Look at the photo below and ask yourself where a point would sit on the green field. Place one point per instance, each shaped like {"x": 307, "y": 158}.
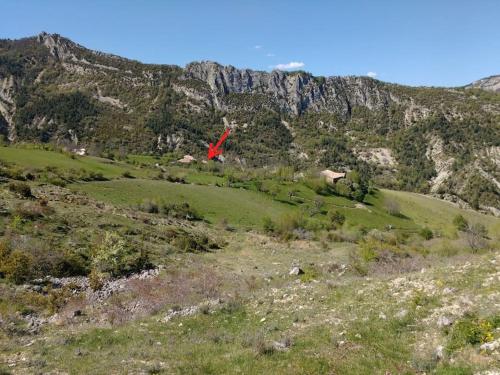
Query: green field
{"x": 39, "y": 159}
{"x": 243, "y": 207}
{"x": 247, "y": 208}
{"x": 237, "y": 206}
{"x": 438, "y": 214}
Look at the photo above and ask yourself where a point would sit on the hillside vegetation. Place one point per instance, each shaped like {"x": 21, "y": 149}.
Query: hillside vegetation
{"x": 443, "y": 141}
{"x": 145, "y": 266}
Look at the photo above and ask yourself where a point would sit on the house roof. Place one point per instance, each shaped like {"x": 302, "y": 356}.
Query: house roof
{"x": 332, "y": 175}
{"x": 186, "y": 159}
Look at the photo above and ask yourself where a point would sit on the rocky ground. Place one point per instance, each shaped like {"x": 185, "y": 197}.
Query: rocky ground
{"x": 291, "y": 299}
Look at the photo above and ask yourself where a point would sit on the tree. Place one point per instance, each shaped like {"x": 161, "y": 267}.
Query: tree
{"x": 475, "y": 235}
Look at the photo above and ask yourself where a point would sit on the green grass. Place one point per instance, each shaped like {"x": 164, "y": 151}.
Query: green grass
{"x": 245, "y": 207}
{"x": 438, "y": 214}
{"x": 241, "y": 207}
{"x": 238, "y": 206}
{"x": 221, "y": 343}
{"x": 36, "y": 158}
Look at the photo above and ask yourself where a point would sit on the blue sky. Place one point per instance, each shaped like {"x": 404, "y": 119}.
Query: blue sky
{"x": 416, "y": 42}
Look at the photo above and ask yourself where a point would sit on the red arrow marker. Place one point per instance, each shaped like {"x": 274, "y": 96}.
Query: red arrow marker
{"x": 214, "y": 151}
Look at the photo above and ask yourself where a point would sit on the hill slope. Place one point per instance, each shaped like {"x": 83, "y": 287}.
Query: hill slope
{"x": 445, "y": 141}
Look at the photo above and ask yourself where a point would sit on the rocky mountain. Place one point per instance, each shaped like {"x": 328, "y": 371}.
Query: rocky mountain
{"x": 292, "y": 93}
{"x": 440, "y": 140}
{"x": 491, "y": 83}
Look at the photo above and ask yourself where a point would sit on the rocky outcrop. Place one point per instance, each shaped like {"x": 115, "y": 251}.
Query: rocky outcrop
{"x": 58, "y": 46}
{"x": 7, "y": 103}
{"x": 443, "y": 163}
{"x": 491, "y": 83}
{"x": 294, "y": 93}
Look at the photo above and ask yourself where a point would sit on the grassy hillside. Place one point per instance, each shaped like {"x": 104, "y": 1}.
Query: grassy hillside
{"x": 141, "y": 290}
{"x": 33, "y": 158}
{"x": 438, "y": 214}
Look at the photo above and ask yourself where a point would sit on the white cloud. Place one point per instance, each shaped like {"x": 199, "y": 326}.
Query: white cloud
{"x": 371, "y": 74}
{"x": 258, "y": 46}
{"x": 290, "y": 65}
{"x": 270, "y": 54}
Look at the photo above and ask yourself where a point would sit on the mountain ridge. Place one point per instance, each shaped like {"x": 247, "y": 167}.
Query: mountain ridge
{"x": 441, "y": 139}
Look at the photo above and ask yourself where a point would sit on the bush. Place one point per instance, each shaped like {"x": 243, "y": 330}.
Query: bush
{"x": 108, "y": 257}
{"x": 70, "y": 264}
{"x": 471, "y": 330}
{"x": 149, "y": 206}
{"x": 475, "y": 235}
{"x": 318, "y": 185}
{"x": 16, "y": 266}
{"x": 460, "y": 223}
{"x": 127, "y": 174}
{"x": 180, "y": 211}
{"x": 289, "y": 223}
{"x": 21, "y": 188}
{"x": 96, "y": 280}
{"x": 426, "y": 233}
{"x": 191, "y": 243}
{"x": 392, "y": 207}
{"x": 268, "y": 225}
{"x": 336, "y": 217}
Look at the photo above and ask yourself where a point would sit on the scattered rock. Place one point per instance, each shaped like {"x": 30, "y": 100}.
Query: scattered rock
{"x": 490, "y": 346}
{"x": 295, "y": 271}
{"x": 444, "y": 321}
{"x": 191, "y": 310}
{"x": 282, "y": 345}
{"x": 439, "y": 352}
{"x": 402, "y": 314}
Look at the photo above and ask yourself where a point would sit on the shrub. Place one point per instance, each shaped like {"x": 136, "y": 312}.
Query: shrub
{"x": 70, "y": 264}
{"x": 96, "y": 280}
{"x": 289, "y": 223}
{"x": 149, "y": 206}
{"x": 426, "y": 233}
{"x": 16, "y": 266}
{"x": 108, "y": 256}
{"x": 470, "y": 330}
{"x": 32, "y": 210}
{"x": 191, "y": 243}
{"x": 343, "y": 188}
{"x": 176, "y": 179}
{"x": 21, "y": 188}
{"x": 318, "y": 185}
{"x": 268, "y": 225}
{"x": 264, "y": 348}
{"x": 180, "y": 211}
{"x": 447, "y": 249}
{"x": 127, "y": 174}
{"x": 336, "y": 217}
{"x": 392, "y": 207}
{"x": 259, "y": 185}
{"x": 475, "y": 235}
{"x": 310, "y": 274}
{"x": 460, "y": 223}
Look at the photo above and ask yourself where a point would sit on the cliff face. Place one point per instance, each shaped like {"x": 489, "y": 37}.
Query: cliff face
{"x": 293, "y": 93}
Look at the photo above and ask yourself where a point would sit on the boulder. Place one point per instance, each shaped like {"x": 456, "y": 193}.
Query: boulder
{"x": 295, "y": 271}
